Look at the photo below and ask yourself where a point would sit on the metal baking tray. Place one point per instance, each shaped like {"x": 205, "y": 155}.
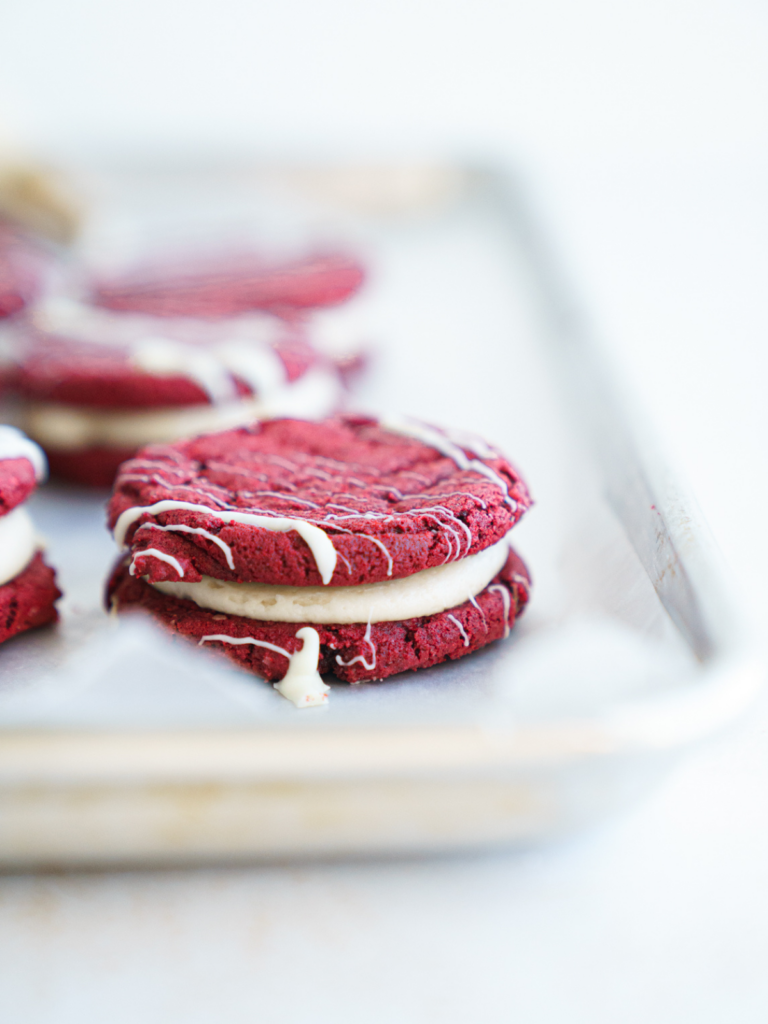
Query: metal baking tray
{"x": 120, "y": 745}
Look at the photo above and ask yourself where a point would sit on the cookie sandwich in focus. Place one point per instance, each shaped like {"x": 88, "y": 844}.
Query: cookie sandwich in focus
{"x": 354, "y": 547}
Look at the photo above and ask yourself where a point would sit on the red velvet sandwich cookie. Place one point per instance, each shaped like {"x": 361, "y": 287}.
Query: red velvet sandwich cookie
{"x": 27, "y": 585}
{"x": 99, "y": 385}
{"x": 351, "y": 546}
{"x": 232, "y": 284}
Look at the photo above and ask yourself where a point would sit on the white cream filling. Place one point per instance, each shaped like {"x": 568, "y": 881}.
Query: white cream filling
{"x": 424, "y": 593}
{"x": 18, "y": 543}
{"x": 62, "y": 427}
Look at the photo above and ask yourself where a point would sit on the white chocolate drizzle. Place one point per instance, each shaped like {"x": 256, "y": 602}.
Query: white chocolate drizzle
{"x": 155, "y": 553}
{"x": 302, "y": 683}
{"x": 361, "y": 657}
{"x": 443, "y": 444}
{"x": 501, "y": 589}
{"x": 317, "y": 540}
{"x": 164, "y": 357}
{"x": 258, "y": 365}
{"x": 180, "y": 528}
{"x": 461, "y": 629}
{"x": 16, "y": 445}
{"x": 223, "y": 638}
{"x": 438, "y": 513}
{"x": 384, "y": 548}
{"x": 248, "y": 352}
{"x": 473, "y": 443}
{"x": 345, "y": 561}
{"x": 473, "y": 600}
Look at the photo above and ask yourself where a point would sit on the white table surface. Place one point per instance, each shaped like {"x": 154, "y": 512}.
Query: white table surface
{"x": 659, "y": 916}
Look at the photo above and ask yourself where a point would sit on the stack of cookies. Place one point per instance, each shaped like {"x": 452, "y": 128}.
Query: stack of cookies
{"x": 349, "y": 547}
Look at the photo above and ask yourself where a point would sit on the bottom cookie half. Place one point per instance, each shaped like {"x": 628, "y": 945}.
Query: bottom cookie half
{"x": 28, "y": 599}
{"x": 353, "y": 653}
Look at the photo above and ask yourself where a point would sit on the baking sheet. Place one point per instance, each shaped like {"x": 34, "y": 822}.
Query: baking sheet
{"x": 120, "y": 744}
{"x": 449, "y": 316}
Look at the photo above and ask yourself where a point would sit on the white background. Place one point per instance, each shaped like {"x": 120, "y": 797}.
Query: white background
{"x": 647, "y": 127}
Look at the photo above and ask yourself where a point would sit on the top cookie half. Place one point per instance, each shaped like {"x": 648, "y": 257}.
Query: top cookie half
{"x": 346, "y": 501}
{"x": 22, "y": 467}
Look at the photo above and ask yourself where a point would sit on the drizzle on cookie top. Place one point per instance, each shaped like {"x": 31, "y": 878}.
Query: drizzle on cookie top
{"x": 346, "y": 501}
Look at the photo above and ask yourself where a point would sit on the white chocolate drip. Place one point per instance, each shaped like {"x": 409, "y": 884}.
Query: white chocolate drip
{"x": 163, "y": 357}
{"x": 180, "y": 528}
{"x": 461, "y": 629}
{"x": 443, "y": 444}
{"x": 15, "y": 445}
{"x": 501, "y": 589}
{"x": 318, "y": 541}
{"x": 258, "y": 365}
{"x": 214, "y": 369}
{"x": 255, "y": 363}
{"x": 302, "y": 683}
{"x": 155, "y": 553}
{"x": 152, "y": 347}
{"x": 361, "y": 657}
